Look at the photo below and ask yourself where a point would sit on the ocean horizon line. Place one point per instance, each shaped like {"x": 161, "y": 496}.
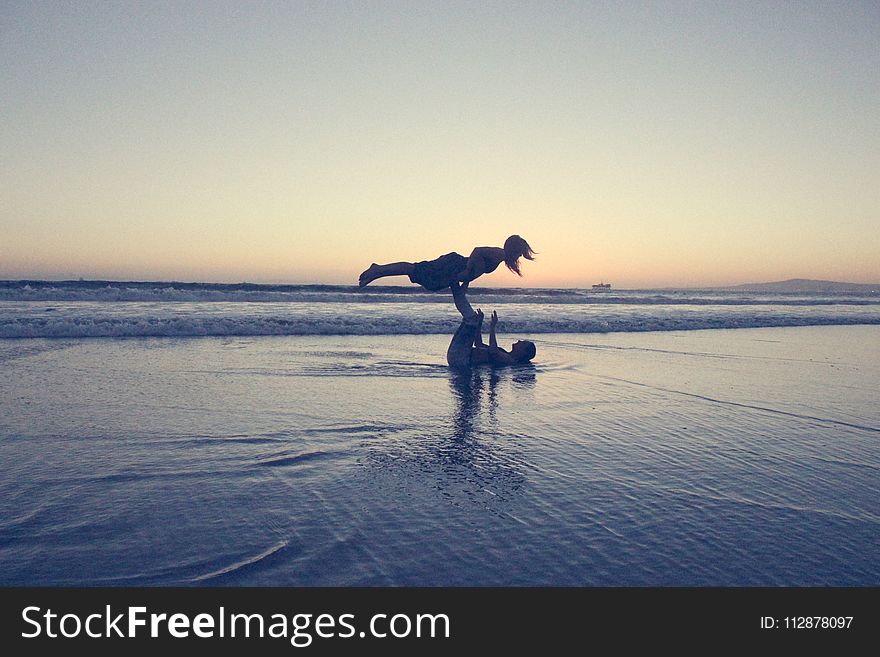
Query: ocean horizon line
{"x": 795, "y": 285}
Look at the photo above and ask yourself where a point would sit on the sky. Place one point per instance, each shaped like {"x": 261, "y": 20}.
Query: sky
{"x": 645, "y": 144}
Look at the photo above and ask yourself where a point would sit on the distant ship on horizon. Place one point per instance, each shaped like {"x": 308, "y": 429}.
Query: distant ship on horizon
{"x": 602, "y": 286}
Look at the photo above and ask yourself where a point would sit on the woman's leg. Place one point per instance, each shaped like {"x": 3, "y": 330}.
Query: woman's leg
{"x": 379, "y": 271}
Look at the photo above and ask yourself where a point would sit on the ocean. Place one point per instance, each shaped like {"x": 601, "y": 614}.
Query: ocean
{"x": 107, "y": 309}
{"x": 208, "y": 434}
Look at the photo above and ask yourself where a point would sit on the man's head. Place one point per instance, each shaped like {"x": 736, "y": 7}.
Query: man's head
{"x": 523, "y": 351}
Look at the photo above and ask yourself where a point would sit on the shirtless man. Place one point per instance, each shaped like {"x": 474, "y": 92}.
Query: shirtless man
{"x": 467, "y": 348}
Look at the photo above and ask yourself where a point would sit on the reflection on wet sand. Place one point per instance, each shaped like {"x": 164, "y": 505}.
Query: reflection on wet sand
{"x": 469, "y": 387}
{"x": 471, "y": 453}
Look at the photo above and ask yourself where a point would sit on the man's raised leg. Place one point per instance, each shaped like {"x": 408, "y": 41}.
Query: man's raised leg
{"x": 458, "y": 354}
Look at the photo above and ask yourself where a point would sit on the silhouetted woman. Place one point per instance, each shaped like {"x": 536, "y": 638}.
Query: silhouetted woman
{"x": 452, "y": 268}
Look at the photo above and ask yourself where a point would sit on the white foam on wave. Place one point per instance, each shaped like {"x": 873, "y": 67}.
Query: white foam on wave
{"x": 194, "y": 326}
{"x": 72, "y": 309}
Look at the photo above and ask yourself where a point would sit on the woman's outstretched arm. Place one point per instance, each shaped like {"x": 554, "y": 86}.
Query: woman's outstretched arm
{"x": 476, "y": 263}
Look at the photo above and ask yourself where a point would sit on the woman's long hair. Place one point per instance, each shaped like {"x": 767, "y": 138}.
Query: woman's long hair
{"x": 515, "y": 247}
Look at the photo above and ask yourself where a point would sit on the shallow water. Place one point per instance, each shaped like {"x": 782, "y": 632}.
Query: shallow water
{"x": 722, "y": 457}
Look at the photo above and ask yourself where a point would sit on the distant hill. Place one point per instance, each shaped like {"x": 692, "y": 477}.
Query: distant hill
{"x": 807, "y": 285}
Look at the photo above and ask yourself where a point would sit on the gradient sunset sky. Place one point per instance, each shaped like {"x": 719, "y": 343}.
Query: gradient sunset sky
{"x": 646, "y": 144}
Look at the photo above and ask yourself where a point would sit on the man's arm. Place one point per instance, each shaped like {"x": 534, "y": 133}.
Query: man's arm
{"x": 480, "y": 352}
{"x": 492, "y": 341}
{"x": 496, "y": 354}
{"x": 478, "y": 338}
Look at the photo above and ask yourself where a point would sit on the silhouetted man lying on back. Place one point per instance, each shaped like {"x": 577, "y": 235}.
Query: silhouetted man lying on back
{"x": 467, "y": 348}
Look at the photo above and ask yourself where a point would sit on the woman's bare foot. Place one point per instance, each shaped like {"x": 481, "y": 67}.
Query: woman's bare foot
{"x": 369, "y": 275}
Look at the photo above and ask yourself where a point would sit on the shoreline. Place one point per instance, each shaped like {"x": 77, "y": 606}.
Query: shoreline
{"x": 525, "y": 335}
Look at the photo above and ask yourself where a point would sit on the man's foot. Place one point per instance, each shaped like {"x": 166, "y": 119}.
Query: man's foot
{"x": 369, "y": 275}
